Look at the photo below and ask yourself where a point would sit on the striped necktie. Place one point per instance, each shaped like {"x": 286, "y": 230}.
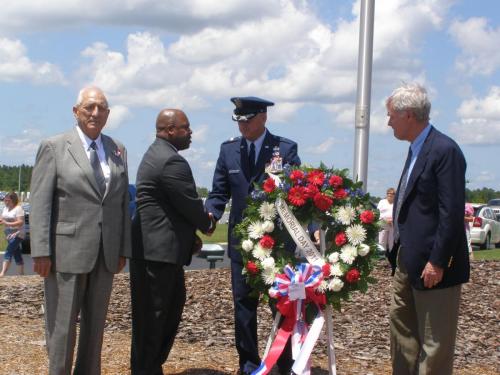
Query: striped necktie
{"x": 401, "y": 194}
{"x": 96, "y": 166}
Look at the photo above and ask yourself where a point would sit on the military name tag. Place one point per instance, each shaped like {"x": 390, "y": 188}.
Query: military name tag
{"x": 233, "y": 171}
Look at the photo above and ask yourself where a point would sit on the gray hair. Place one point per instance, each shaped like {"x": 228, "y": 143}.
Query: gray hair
{"x": 79, "y": 98}
{"x": 411, "y": 97}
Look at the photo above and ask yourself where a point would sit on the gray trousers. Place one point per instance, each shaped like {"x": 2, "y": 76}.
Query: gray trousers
{"x": 423, "y": 327}
{"x": 66, "y": 295}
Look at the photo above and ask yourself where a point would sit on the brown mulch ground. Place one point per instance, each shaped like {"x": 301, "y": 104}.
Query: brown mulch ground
{"x": 205, "y": 343}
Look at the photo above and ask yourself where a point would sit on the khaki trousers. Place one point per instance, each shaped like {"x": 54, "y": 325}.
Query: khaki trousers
{"x": 423, "y": 327}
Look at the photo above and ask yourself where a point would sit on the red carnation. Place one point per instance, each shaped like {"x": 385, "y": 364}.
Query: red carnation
{"x": 296, "y": 196}
{"x": 326, "y": 269}
{"x": 340, "y": 239}
{"x": 336, "y": 181}
{"x": 252, "y": 268}
{"x": 367, "y": 217}
{"x": 310, "y": 190}
{"x": 340, "y": 194}
{"x": 269, "y": 185}
{"x": 322, "y": 201}
{"x": 316, "y": 177}
{"x": 267, "y": 242}
{"x": 352, "y": 276}
{"x": 296, "y": 175}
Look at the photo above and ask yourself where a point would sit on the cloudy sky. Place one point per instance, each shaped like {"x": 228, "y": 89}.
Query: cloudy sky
{"x": 196, "y": 54}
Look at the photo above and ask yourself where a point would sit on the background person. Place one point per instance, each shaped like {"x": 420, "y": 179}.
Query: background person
{"x": 430, "y": 254}
{"x": 468, "y": 218}
{"x": 240, "y": 164}
{"x": 168, "y": 214}
{"x": 13, "y": 223}
{"x": 80, "y": 228}
{"x": 386, "y": 234}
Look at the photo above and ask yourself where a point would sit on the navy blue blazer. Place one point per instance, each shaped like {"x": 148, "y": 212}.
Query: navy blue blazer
{"x": 232, "y": 178}
{"x": 431, "y": 220}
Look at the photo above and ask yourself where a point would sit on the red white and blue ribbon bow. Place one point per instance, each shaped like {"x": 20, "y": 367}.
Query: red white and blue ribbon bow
{"x": 294, "y": 289}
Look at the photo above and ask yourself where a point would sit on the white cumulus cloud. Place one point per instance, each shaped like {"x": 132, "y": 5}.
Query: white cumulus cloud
{"x": 479, "y": 119}
{"x": 479, "y": 44}
{"x": 15, "y": 65}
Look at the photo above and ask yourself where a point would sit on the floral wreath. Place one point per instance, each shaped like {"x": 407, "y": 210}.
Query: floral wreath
{"x": 329, "y": 199}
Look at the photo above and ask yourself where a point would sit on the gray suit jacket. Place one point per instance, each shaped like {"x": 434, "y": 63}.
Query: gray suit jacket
{"x": 68, "y": 214}
{"x": 168, "y": 207}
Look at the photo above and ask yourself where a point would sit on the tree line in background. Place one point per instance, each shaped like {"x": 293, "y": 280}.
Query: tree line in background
{"x": 14, "y": 177}
{"x": 10, "y": 176}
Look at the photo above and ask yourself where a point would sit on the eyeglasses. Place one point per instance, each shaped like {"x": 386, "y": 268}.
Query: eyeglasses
{"x": 244, "y": 118}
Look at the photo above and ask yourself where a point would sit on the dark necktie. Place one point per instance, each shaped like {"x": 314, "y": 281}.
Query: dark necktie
{"x": 401, "y": 195}
{"x": 96, "y": 166}
{"x": 251, "y": 158}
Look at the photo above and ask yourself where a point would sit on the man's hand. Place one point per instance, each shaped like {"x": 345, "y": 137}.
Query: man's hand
{"x": 121, "y": 263}
{"x": 212, "y": 226}
{"x": 432, "y": 275}
{"x": 42, "y": 265}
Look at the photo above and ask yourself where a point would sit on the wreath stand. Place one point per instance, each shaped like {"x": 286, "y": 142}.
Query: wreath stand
{"x": 332, "y": 368}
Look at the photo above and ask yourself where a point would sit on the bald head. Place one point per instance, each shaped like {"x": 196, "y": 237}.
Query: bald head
{"x": 173, "y": 126}
{"x": 91, "y": 111}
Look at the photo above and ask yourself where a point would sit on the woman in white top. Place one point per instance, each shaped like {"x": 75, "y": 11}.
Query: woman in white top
{"x": 13, "y": 223}
{"x": 386, "y": 235}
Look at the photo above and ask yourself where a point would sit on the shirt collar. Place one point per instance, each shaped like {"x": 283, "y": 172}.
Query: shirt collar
{"x": 258, "y": 142}
{"x": 417, "y": 144}
{"x": 86, "y": 141}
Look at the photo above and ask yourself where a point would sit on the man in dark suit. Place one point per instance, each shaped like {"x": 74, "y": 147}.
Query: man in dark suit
{"x": 163, "y": 239}
{"x": 80, "y": 230}
{"x": 430, "y": 256}
{"x": 241, "y": 163}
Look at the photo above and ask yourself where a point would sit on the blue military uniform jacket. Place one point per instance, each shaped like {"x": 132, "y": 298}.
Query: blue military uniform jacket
{"x": 232, "y": 178}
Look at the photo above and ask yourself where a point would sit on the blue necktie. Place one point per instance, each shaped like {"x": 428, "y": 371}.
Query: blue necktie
{"x": 251, "y": 158}
{"x": 401, "y": 195}
{"x": 96, "y": 166}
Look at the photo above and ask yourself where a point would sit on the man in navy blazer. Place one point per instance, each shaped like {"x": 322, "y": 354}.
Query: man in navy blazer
{"x": 429, "y": 257}
{"x": 241, "y": 163}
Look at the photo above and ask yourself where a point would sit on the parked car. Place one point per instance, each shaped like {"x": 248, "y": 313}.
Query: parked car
{"x": 485, "y": 229}
{"x": 495, "y": 206}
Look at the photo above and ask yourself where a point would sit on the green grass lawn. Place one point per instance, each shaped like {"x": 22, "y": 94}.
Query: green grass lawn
{"x": 219, "y": 236}
{"x": 493, "y": 254}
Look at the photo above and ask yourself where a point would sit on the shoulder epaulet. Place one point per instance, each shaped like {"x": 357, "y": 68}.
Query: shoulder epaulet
{"x": 286, "y": 140}
{"x": 232, "y": 140}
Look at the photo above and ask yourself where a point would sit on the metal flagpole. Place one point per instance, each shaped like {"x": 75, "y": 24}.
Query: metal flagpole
{"x": 362, "y": 117}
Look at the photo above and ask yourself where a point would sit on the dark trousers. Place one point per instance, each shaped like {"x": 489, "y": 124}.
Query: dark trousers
{"x": 245, "y": 325}
{"x": 158, "y": 294}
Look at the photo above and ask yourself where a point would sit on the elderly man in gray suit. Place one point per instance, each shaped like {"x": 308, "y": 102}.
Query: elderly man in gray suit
{"x": 80, "y": 229}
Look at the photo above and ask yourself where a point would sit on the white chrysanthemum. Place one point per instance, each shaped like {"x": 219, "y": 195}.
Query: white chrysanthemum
{"x": 268, "y": 226}
{"x": 247, "y": 245}
{"x": 260, "y": 252}
{"x": 333, "y": 257}
{"x": 256, "y": 230}
{"x": 267, "y": 211}
{"x": 335, "y": 284}
{"x": 348, "y": 253}
{"x": 268, "y": 263}
{"x": 336, "y": 270}
{"x": 268, "y": 275}
{"x": 356, "y": 234}
{"x": 345, "y": 215}
{"x": 363, "y": 250}
{"x": 322, "y": 287}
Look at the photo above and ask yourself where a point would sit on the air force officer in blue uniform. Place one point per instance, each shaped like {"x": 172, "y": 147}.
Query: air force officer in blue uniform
{"x": 241, "y": 163}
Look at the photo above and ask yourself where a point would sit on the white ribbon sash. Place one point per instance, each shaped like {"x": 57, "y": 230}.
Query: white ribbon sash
{"x": 298, "y": 234}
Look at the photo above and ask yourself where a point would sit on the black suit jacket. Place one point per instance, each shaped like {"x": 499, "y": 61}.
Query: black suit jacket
{"x": 168, "y": 207}
{"x": 431, "y": 220}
